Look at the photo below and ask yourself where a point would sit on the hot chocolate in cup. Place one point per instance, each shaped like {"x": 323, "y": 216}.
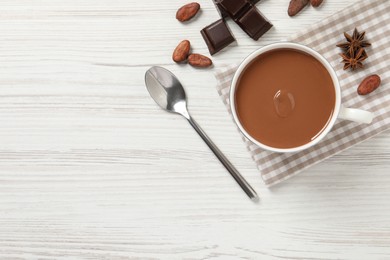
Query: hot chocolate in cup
{"x": 285, "y": 97}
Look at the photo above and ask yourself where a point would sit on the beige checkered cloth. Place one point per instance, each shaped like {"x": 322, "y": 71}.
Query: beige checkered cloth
{"x": 372, "y": 16}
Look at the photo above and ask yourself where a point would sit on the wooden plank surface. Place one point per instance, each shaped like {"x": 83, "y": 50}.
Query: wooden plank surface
{"x": 90, "y": 168}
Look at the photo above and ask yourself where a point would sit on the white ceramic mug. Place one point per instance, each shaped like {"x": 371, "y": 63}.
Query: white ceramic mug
{"x": 341, "y": 112}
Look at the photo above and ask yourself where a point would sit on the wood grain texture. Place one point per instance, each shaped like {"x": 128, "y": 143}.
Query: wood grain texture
{"x": 90, "y": 168}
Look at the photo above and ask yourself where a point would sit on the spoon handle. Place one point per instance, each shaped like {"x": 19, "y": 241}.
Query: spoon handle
{"x": 232, "y": 170}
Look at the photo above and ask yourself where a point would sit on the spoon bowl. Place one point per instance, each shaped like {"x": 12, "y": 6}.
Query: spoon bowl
{"x": 166, "y": 90}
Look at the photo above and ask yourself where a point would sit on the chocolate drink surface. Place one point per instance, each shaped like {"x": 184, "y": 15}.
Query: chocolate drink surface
{"x": 284, "y": 98}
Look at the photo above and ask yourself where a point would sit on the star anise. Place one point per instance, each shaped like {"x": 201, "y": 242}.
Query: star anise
{"x": 354, "y": 42}
{"x": 354, "y": 60}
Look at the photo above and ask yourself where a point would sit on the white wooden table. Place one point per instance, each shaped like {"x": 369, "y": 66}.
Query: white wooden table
{"x": 90, "y": 168}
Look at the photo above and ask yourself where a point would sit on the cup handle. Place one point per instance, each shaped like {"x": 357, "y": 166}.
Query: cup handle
{"x": 356, "y": 115}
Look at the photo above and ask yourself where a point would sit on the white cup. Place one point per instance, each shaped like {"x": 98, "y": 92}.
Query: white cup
{"x": 339, "y": 111}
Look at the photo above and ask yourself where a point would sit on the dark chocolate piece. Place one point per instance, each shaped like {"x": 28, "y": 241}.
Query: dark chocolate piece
{"x": 254, "y": 24}
{"x": 247, "y": 16}
{"x": 217, "y": 36}
{"x": 234, "y": 8}
{"x": 223, "y": 13}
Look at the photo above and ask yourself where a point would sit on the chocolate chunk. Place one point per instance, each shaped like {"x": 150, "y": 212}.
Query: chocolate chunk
{"x": 246, "y": 16}
{"x": 223, "y": 13}
{"x": 234, "y": 8}
{"x": 217, "y": 36}
{"x": 254, "y": 24}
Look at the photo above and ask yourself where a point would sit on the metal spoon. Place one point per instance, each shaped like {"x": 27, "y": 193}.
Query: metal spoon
{"x": 169, "y": 94}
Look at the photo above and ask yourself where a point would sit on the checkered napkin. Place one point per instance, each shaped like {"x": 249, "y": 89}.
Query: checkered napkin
{"x": 372, "y": 16}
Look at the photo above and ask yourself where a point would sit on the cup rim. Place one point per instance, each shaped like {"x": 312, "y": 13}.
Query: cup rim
{"x": 284, "y": 45}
